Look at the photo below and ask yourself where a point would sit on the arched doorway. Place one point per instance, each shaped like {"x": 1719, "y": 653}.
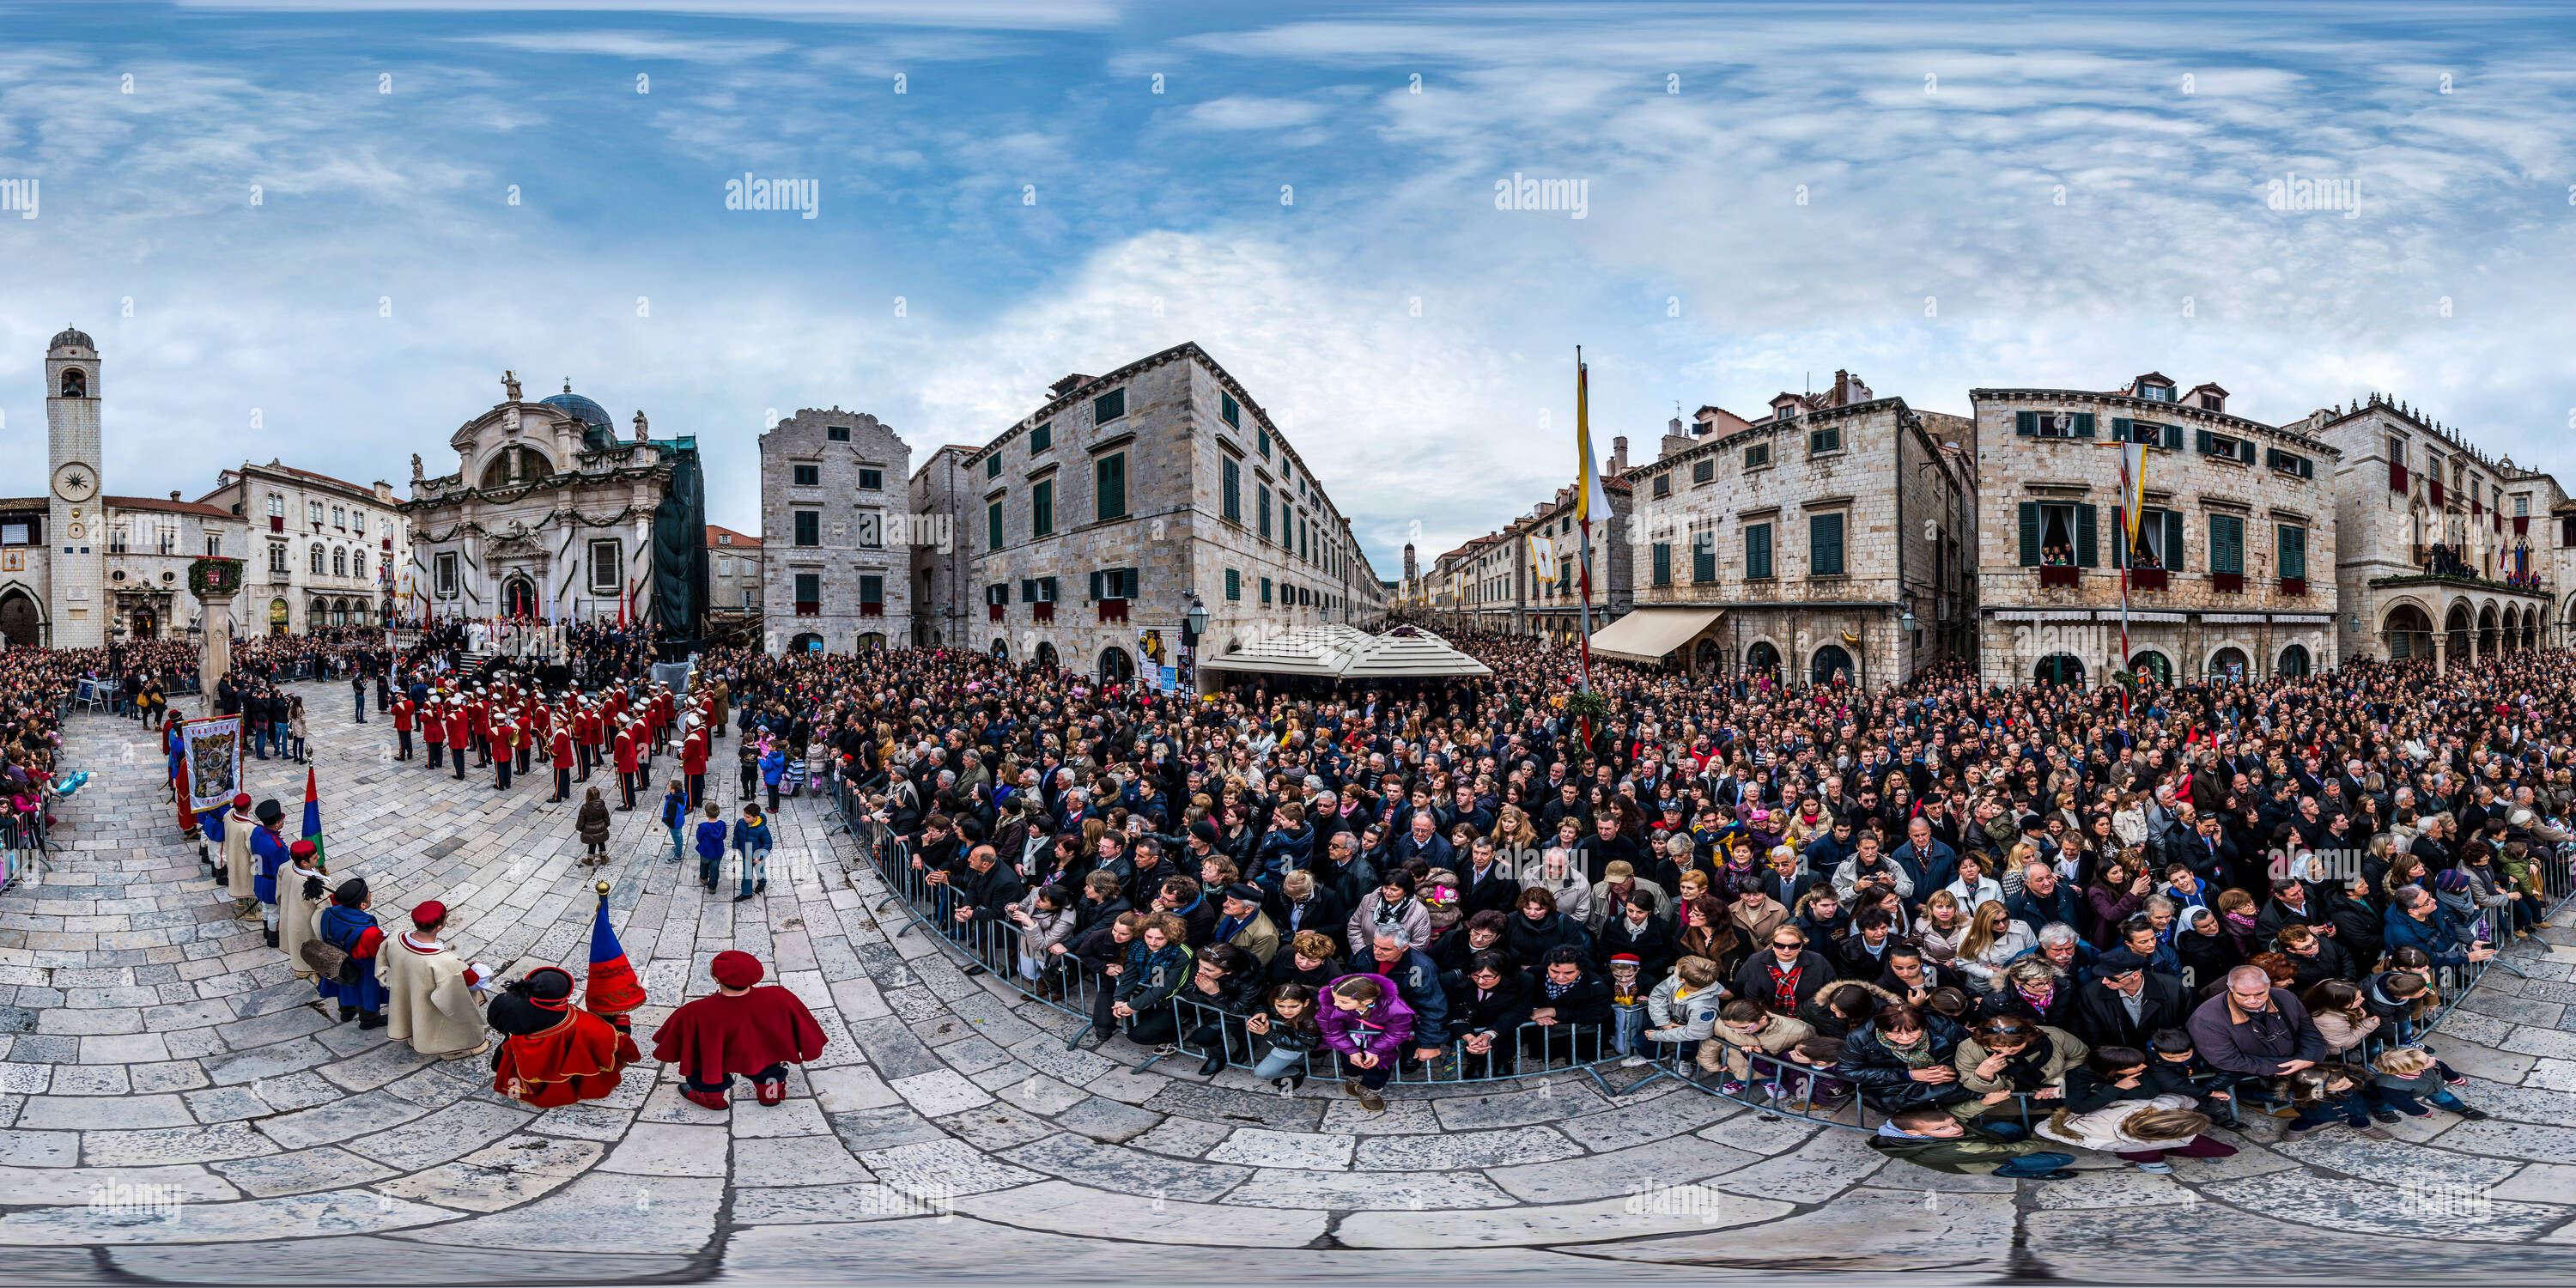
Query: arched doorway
{"x": 1762, "y": 659}
{"x": 2152, "y": 666}
{"x": 519, "y": 597}
{"x": 2457, "y": 626}
{"x": 144, "y": 625}
{"x": 1046, "y": 654}
{"x": 1001, "y": 649}
{"x": 1117, "y": 665}
{"x": 2294, "y": 663}
{"x": 19, "y": 620}
{"x": 2408, "y": 633}
{"x": 1831, "y": 664}
{"x": 2059, "y": 668}
{"x": 809, "y": 642}
{"x": 277, "y": 617}
{"x": 2511, "y": 633}
{"x": 1705, "y": 658}
{"x": 2486, "y": 630}
{"x": 2531, "y": 628}
{"x": 2228, "y": 664}
{"x": 871, "y": 640}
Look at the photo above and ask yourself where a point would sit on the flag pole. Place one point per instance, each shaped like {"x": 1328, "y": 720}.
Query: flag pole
{"x": 1583, "y": 509}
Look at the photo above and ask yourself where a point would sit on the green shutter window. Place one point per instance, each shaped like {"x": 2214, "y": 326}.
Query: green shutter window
{"x": 1042, "y": 508}
{"x": 1261, "y": 439}
{"x": 1234, "y": 583}
{"x": 2086, "y": 556}
{"x": 2083, "y": 424}
{"x": 1111, "y": 474}
{"x": 1028, "y": 590}
{"x": 1041, "y": 438}
{"x": 1663, "y": 563}
{"x": 1108, "y": 407}
{"x": 1227, "y": 408}
{"x": 2120, "y": 429}
{"x": 2030, "y": 534}
{"x": 993, "y": 526}
{"x": 2120, "y": 538}
{"x": 1825, "y": 545}
{"x": 2294, "y": 551}
{"x": 2173, "y": 540}
{"x": 2203, "y": 443}
{"x": 993, "y": 467}
{"x": 1095, "y": 585}
{"x": 1265, "y": 590}
{"x": 2173, "y": 437}
{"x": 1704, "y": 556}
{"x": 1232, "y": 496}
{"x": 1261, "y": 502}
{"x": 2026, "y": 423}
{"x": 1757, "y": 551}
{"x": 2226, "y": 543}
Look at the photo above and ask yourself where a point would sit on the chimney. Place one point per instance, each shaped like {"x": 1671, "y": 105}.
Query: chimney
{"x": 174, "y": 494}
{"x": 1842, "y": 387}
{"x": 1069, "y": 384}
{"x": 1619, "y": 455}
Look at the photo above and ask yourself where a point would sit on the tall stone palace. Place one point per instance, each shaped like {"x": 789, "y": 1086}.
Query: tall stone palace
{"x": 550, "y": 515}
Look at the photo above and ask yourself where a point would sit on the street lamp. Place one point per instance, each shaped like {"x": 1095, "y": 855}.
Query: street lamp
{"x": 1193, "y": 625}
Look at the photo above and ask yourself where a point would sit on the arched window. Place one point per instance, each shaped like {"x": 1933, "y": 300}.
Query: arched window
{"x": 339, "y": 563}
{"x": 75, "y": 383}
{"x": 358, "y": 563}
{"x": 320, "y": 614}
{"x": 317, "y": 559}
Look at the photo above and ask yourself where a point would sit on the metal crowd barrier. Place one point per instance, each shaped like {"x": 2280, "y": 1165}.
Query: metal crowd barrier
{"x": 1531, "y": 1050}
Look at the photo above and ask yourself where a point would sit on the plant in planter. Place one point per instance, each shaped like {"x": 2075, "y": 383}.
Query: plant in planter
{"x": 214, "y": 577}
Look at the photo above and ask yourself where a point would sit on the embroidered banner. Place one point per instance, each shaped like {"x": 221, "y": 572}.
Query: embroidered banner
{"x": 212, "y": 769}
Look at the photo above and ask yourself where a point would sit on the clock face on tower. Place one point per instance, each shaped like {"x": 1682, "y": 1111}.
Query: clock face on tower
{"x": 75, "y": 482}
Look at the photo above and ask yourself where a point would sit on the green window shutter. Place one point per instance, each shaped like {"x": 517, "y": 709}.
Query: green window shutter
{"x": 1095, "y": 584}
{"x": 1110, "y": 476}
{"x": 1663, "y": 564}
{"x": 2026, "y": 423}
{"x": 2307, "y": 468}
{"x": 1261, "y": 498}
{"x": 1704, "y": 557}
{"x": 2226, "y": 543}
{"x": 2119, "y": 538}
{"x": 2173, "y": 437}
{"x": 2083, "y": 424}
{"x": 2173, "y": 540}
{"x": 1757, "y": 550}
{"x": 993, "y": 526}
{"x": 1042, "y": 508}
{"x": 2204, "y": 444}
{"x": 2294, "y": 551}
{"x": 1234, "y": 583}
{"x": 1232, "y": 498}
{"x": 1824, "y": 545}
{"x": 2029, "y": 534}
{"x": 2086, "y": 556}
{"x": 2120, "y": 429}
{"x": 1028, "y": 590}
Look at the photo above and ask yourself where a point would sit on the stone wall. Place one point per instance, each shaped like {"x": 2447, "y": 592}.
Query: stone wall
{"x": 861, "y": 531}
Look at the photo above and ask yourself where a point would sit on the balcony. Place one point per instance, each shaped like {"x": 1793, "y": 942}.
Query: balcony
{"x": 1043, "y": 610}
{"x": 2227, "y": 583}
{"x": 2060, "y": 576}
{"x": 2147, "y": 579}
{"x": 2294, "y": 587}
{"x": 809, "y": 608}
{"x": 1113, "y": 610}
{"x": 871, "y": 609}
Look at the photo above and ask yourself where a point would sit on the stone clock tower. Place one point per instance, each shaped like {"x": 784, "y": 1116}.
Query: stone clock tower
{"x": 74, "y": 528}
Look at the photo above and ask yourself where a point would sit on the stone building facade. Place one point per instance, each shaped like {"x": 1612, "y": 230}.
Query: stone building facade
{"x": 733, "y": 574}
{"x": 944, "y": 597}
{"x": 2234, "y": 571}
{"x": 323, "y": 552}
{"x": 1096, "y": 520}
{"x": 838, "y": 533}
{"x": 80, "y": 567}
{"x": 1828, "y": 538}
{"x": 2414, "y": 491}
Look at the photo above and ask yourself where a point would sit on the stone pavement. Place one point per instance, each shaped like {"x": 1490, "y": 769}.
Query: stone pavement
{"x": 177, "y": 1109}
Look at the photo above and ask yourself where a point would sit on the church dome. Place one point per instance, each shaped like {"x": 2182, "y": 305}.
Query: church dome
{"x": 597, "y": 433}
{"x": 72, "y": 338}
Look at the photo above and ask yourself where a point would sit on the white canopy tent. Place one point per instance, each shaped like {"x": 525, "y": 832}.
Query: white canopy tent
{"x": 1646, "y": 635}
{"x": 1336, "y": 652}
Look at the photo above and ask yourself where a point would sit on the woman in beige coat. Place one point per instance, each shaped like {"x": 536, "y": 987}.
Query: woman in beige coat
{"x": 434, "y": 996}
{"x": 2005, "y": 1054}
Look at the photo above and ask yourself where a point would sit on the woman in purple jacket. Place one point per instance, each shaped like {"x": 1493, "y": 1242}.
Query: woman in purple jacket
{"x": 1367, "y": 1024}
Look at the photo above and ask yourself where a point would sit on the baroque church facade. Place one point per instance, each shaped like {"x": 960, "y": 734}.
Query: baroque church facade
{"x": 551, "y": 515}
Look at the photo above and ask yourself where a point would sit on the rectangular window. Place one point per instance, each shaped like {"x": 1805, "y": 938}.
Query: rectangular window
{"x": 1757, "y": 551}
{"x": 809, "y": 594}
{"x": 872, "y": 480}
{"x": 1230, "y": 491}
{"x": 1827, "y": 439}
{"x": 2294, "y": 551}
{"x": 1824, "y": 545}
{"x": 1234, "y": 583}
{"x": 607, "y": 567}
{"x": 993, "y": 524}
{"x": 2222, "y": 445}
{"x": 313, "y": 511}
{"x": 1703, "y": 471}
{"x": 1757, "y": 456}
{"x": 2290, "y": 463}
{"x": 1042, "y": 438}
{"x": 2522, "y": 506}
{"x": 442, "y": 564}
{"x": 1110, "y": 476}
{"x": 1704, "y": 555}
{"x": 1261, "y": 440}
{"x": 809, "y": 475}
{"x": 317, "y": 556}
{"x": 1663, "y": 563}
{"x": 1114, "y": 583}
{"x": 2226, "y": 544}
{"x": 993, "y": 466}
{"x": 339, "y": 517}
{"x": 1265, "y": 590}
{"x": 1261, "y": 501}
{"x": 2159, "y": 544}
{"x": 809, "y": 528}
{"x": 837, "y": 433}
{"x": 1042, "y": 508}
{"x": 871, "y": 589}
{"x": 2057, "y": 534}
{"x": 1108, "y": 407}
{"x": 277, "y": 559}
{"x": 1663, "y": 485}
{"x": 214, "y": 545}
{"x": 1228, "y": 411}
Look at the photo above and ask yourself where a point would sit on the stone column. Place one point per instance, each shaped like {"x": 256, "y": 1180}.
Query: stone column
{"x": 2441, "y": 650}
{"x": 216, "y": 655}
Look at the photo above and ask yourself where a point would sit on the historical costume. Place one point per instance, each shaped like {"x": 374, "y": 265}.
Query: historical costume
{"x": 552, "y": 1052}
{"x": 756, "y": 1031}
{"x": 301, "y": 899}
{"x": 240, "y": 869}
{"x": 267, "y": 855}
{"x": 430, "y": 989}
{"x": 346, "y": 925}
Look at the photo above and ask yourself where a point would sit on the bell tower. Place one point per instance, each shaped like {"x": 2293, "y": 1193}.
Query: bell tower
{"x": 75, "y": 529}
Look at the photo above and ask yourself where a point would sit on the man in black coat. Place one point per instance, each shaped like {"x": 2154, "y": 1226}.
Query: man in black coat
{"x": 2127, "y": 1004}
{"x": 1484, "y": 884}
{"x": 1488, "y": 1002}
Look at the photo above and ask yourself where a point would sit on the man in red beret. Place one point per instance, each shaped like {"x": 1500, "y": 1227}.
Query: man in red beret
{"x": 742, "y": 1029}
{"x": 554, "y": 1053}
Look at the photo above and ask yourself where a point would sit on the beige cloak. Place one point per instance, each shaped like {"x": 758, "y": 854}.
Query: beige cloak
{"x": 428, "y": 1003}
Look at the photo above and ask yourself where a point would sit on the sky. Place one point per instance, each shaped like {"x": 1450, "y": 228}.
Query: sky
{"x": 320, "y": 232}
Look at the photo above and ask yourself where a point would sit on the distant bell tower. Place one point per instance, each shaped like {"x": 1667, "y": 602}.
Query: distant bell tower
{"x": 73, "y": 493}
{"x": 1412, "y": 573}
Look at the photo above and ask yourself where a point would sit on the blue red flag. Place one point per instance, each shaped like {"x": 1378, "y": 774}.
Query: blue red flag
{"x": 313, "y": 816}
{"x": 613, "y": 989}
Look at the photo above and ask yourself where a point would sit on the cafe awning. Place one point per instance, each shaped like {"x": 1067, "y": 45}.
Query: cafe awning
{"x": 1645, "y": 635}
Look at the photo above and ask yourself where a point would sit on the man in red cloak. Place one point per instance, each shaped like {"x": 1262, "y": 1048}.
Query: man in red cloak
{"x": 554, "y": 1053}
{"x": 740, "y": 1029}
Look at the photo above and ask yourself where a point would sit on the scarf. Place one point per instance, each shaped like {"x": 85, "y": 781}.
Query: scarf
{"x": 1784, "y": 986}
{"x": 1916, "y": 1054}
